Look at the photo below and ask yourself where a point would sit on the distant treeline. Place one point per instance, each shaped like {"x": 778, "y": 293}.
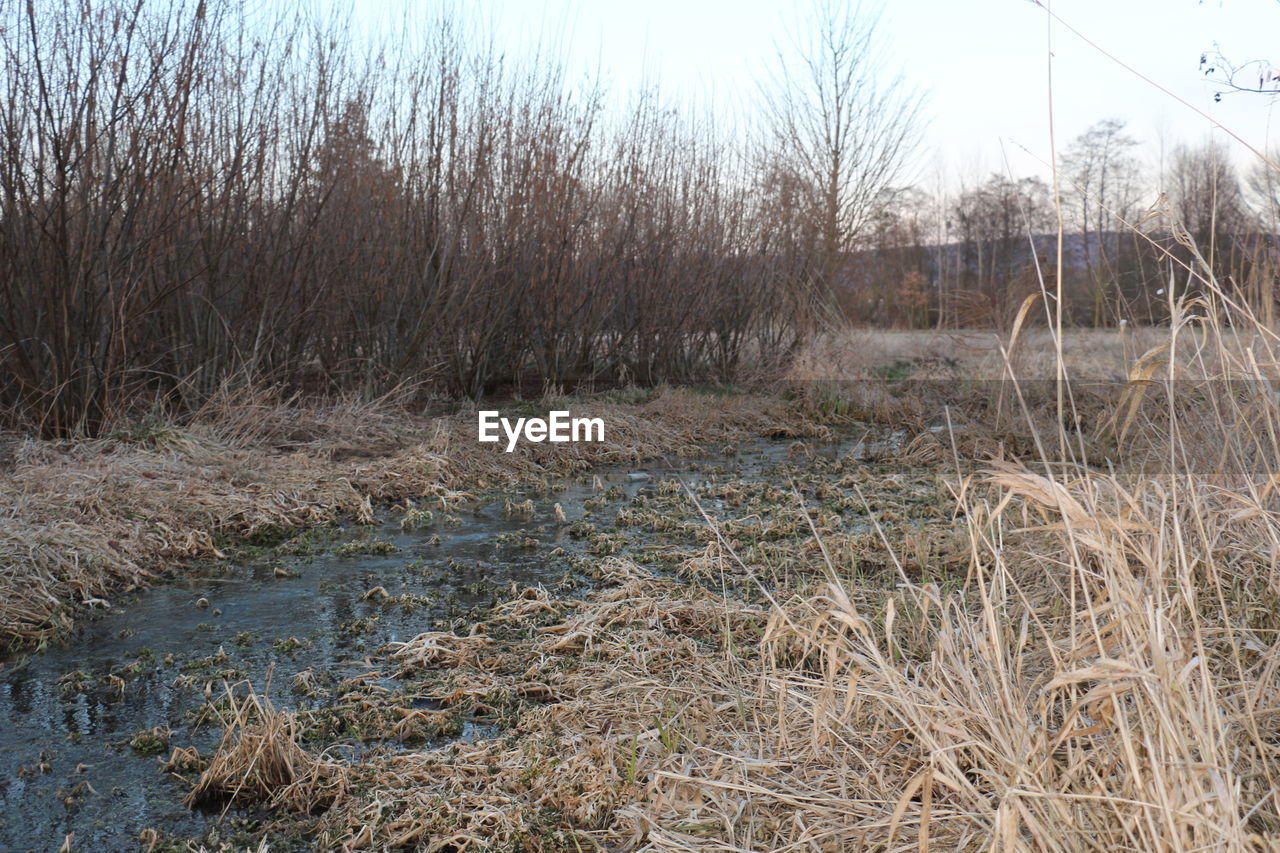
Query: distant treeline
{"x": 1135, "y": 240}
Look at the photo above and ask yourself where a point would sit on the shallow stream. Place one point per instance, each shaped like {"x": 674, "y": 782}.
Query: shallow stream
{"x": 70, "y": 711}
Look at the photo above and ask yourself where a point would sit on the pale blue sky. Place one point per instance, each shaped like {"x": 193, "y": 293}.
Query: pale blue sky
{"x": 981, "y": 63}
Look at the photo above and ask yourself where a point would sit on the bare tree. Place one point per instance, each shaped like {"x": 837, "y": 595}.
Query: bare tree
{"x": 1209, "y": 204}
{"x": 1256, "y": 76}
{"x": 1263, "y": 183}
{"x": 842, "y": 123}
{"x": 1103, "y": 175}
{"x": 997, "y": 265}
{"x": 184, "y": 208}
{"x": 1207, "y": 196}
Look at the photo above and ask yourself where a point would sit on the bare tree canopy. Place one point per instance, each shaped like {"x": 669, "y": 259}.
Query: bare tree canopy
{"x": 1103, "y": 177}
{"x": 842, "y": 124}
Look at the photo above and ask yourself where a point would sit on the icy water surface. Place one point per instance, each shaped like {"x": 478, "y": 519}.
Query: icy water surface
{"x": 69, "y": 712}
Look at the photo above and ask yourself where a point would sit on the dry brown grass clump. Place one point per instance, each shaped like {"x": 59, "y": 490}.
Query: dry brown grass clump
{"x": 259, "y": 762}
{"x": 1105, "y": 678}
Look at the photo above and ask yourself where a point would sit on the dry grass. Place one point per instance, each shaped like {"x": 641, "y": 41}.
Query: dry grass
{"x": 582, "y": 751}
{"x": 1090, "y": 354}
{"x": 1031, "y": 645}
{"x": 83, "y": 521}
{"x": 1103, "y": 680}
{"x": 1088, "y": 662}
{"x": 259, "y": 761}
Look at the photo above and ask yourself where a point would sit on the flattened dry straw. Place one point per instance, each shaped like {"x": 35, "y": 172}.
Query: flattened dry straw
{"x": 576, "y": 761}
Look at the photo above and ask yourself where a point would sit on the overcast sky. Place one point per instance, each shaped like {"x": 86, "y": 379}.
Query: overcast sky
{"x": 981, "y": 63}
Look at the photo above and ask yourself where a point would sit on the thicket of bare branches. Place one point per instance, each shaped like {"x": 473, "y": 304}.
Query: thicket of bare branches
{"x": 190, "y": 196}
{"x": 193, "y": 196}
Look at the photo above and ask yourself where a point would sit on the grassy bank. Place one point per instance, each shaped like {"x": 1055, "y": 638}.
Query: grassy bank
{"x": 85, "y": 521}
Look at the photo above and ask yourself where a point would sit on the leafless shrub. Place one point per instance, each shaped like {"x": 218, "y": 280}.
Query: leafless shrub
{"x": 199, "y": 193}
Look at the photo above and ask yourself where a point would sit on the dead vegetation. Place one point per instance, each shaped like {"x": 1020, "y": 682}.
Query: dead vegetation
{"x": 259, "y": 761}
{"x": 1075, "y": 651}
{"x": 302, "y": 209}
{"x": 1049, "y": 625}
{"x": 984, "y": 356}
{"x": 84, "y": 521}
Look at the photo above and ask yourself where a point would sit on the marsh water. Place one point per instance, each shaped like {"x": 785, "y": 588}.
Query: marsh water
{"x": 70, "y": 711}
